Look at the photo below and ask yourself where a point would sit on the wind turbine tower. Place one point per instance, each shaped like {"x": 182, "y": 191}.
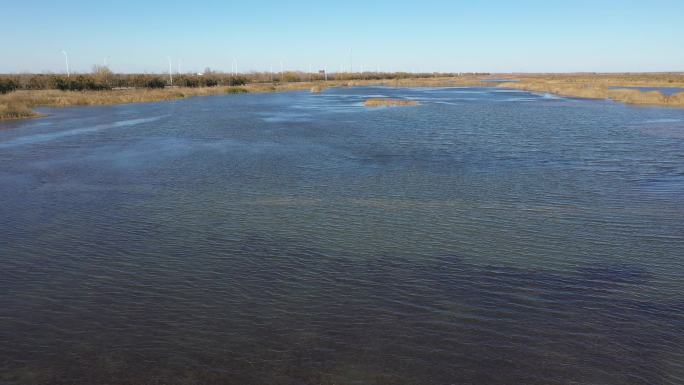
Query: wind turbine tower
{"x": 170, "y": 75}
{"x": 351, "y": 60}
{"x": 66, "y": 60}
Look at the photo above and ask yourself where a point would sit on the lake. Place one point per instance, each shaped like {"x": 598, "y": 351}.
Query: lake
{"x": 487, "y": 236}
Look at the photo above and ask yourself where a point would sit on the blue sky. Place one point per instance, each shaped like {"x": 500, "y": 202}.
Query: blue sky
{"x": 427, "y": 35}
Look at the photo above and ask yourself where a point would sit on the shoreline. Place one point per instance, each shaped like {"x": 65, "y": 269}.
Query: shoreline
{"x": 615, "y": 87}
{"x": 19, "y": 105}
{"x": 633, "y": 97}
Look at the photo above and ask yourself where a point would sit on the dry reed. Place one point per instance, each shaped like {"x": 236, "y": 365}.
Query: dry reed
{"x": 598, "y": 89}
{"x": 18, "y": 104}
{"x": 389, "y": 103}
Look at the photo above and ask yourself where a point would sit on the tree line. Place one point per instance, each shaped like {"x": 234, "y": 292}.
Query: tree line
{"x": 102, "y": 78}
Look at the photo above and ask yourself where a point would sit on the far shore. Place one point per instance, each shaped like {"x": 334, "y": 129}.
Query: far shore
{"x": 20, "y": 104}
{"x": 608, "y": 87}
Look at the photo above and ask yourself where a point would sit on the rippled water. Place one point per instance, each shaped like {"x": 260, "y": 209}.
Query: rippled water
{"x": 484, "y": 237}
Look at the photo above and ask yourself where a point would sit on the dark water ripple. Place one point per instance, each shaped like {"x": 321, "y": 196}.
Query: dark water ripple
{"x": 485, "y": 237}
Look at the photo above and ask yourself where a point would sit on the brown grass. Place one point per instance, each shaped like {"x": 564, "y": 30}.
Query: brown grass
{"x": 389, "y": 103}
{"x": 18, "y": 104}
{"x": 609, "y": 80}
{"x": 16, "y": 111}
{"x": 318, "y": 88}
{"x": 456, "y": 81}
{"x": 598, "y": 88}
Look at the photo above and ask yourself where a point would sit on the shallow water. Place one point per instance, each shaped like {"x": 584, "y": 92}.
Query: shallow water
{"x": 484, "y": 237}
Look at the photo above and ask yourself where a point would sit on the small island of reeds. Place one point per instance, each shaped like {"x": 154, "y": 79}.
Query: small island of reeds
{"x": 389, "y": 103}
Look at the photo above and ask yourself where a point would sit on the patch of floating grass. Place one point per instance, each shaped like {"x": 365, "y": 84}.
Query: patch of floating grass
{"x": 318, "y": 88}
{"x": 16, "y": 110}
{"x": 389, "y": 103}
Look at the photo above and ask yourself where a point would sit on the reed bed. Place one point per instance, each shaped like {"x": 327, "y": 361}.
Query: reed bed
{"x": 19, "y": 104}
{"x": 16, "y": 110}
{"x": 608, "y": 80}
{"x": 318, "y": 88}
{"x": 600, "y": 89}
{"x": 389, "y": 103}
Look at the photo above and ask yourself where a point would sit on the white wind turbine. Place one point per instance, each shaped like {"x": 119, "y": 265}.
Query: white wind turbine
{"x": 170, "y": 76}
{"x": 351, "y": 60}
{"x": 66, "y": 59}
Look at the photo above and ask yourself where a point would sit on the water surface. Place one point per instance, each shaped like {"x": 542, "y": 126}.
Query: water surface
{"x": 487, "y": 236}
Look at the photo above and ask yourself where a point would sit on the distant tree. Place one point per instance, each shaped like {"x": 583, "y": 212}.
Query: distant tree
{"x": 155, "y": 82}
{"x": 291, "y": 77}
{"x": 146, "y": 81}
{"x": 7, "y": 85}
{"x": 237, "y": 81}
{"x": 188, "y": 81}
{"x": 101, "y": 74}
{"x": 41, "y": 82}
{"x": 78, "y": 83}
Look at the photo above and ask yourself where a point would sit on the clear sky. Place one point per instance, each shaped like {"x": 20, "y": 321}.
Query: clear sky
{"x": 392, "y": 35}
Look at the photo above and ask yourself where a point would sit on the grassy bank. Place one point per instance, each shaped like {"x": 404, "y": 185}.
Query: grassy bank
{"x": 609, "y": 80}
{"x": 601, "y": 87}
{"x": 20, "y": 104}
